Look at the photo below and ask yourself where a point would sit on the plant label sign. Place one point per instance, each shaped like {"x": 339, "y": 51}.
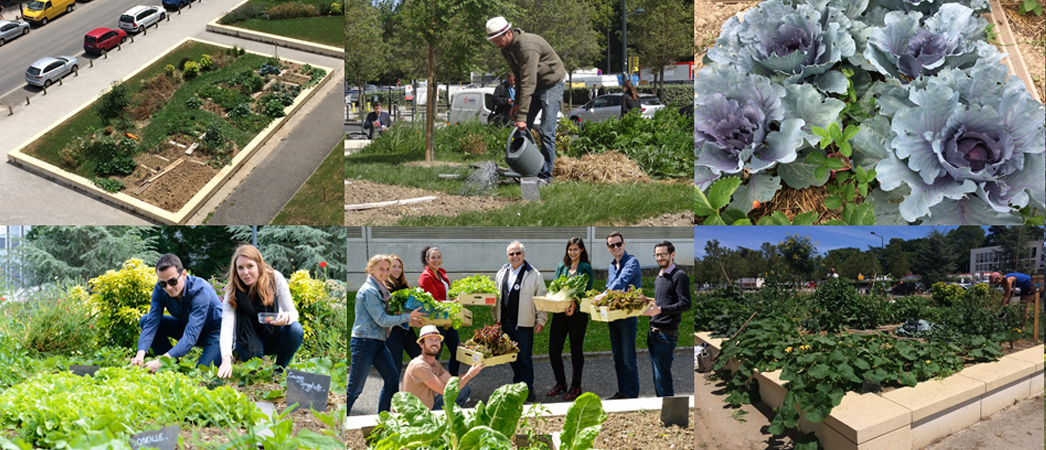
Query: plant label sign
{"x": 528, "y": 187}
{"x": 83, "y": 370}
{"x": 308, "y": 389}
{"x": 165, "y": 438}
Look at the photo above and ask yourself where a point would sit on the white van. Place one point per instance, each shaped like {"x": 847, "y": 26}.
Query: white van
{"x": 476, "y": 104}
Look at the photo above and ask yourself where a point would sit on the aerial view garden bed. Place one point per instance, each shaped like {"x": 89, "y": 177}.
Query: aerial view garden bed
{"x": 852, "y": 371}
{"x": 162, "y": 141}
{"x": 887, "y": 122}
{"x": 314, "y": 21}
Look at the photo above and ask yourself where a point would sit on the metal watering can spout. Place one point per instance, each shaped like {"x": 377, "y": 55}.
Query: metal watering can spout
{"x": 522, "y": 154}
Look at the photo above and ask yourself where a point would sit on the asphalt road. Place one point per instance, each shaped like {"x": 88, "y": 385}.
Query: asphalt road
{"x": 65, "y": 36}
{"x": 598, "y": 378}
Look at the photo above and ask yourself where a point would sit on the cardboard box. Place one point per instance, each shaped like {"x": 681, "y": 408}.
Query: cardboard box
{"x": 553, "y": 306}
{"x": 472, "y": 358}
{"x": 478, "y": 299}
{"x": 604, "y": 314}
{"x": 466, "y": 319}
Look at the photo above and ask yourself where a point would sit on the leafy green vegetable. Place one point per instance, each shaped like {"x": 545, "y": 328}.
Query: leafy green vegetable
{"x": 491, "y": 341}
{"x": 476, "y": 284}
{"x": 629, "y": 300}
{"x": 567, "y": 287}
{"x": 406, "y": 300}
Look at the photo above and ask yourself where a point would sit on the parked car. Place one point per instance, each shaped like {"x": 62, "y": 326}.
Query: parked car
{"x": 46, "y": 71}
{"x": 908, "y": 288}
{"x": 606, "y": 106}
{"x": 176, "y": 4}
{"x": 10, "y": 29}
{"x": 140, "y": 17}
{"x": 41, "y": 11}
{"x": 477, "y": 104}
{"x": 101, "y": 40}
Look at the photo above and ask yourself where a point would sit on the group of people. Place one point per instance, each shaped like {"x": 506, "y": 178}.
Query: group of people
{"x": 379, "y": 338}
{"x": 257, "y": 316}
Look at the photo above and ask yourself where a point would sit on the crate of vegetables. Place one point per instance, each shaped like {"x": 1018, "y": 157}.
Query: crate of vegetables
{"x": 488, "y": 345}
{"x": 442, "y": 314}
{"x": 617, "y": 305}
{"x": 561, "y": 292}
{"x": 462, "y": 318}
{"x": 475, "y": 290}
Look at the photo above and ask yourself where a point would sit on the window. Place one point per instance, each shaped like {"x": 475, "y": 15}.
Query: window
{"x": 614, "y": 101}
{"x": 53, "y": 66}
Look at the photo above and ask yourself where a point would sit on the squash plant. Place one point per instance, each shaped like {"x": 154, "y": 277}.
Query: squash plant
{"x": 491, "y": 426}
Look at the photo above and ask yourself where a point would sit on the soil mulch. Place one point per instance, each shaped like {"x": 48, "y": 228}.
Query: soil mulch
{"x": 679, "y": 219}
{"x": 175, "y": 188}
{"x": 608, "y": 167}
{"x": 363, "y": 191}
{"x": 1028, "y": 29}
{"x": 708, "y": 20}
{"x": 622, "y": 431}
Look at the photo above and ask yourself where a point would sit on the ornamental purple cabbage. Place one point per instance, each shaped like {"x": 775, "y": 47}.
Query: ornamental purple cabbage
{"x": 907, "y": 47}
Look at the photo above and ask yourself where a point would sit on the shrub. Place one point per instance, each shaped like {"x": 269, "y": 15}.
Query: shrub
{"x": 52, "y": 321}
{"x": 191, "y": 69}
{"x": 838, "y": 305}
{"x": 291, "y": 11}
{"x": 269, "y": 69}
{"x": 241, "y": 110}
{"x": 245, "y": 12}
{"x": 335, "y": 9}
{"x": 661, "y": 146}
{"x": 169, "y": 70}
{"x": 946, "y": 294}
{"x": 120, "y": 166}
{"x": 121, "y": 298}
{"x": 104, "y": 149}
{"x": 109, "y": 185}
{"x": 313, "y": 299}
{"x": 227, "y": 98}
{"x": 249, "y": 81}
{"x": 193, "y": 102}
{"x": 274, "y": 109}
{"x": 215, "y": 140}
{"x": 114, "y": 102}
{"x": 205, "y": 62}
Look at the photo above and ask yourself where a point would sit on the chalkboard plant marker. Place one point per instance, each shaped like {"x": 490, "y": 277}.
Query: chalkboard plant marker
{"x": 165, "y": 438}
{"x": 307, "y": 389}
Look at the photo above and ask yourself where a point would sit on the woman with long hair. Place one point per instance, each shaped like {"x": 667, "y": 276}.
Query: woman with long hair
{"x": 258, "y": 313}
{"x": 434, "y": 280}
{"x": 629, "y": 97}
{"x": 572, "y": 323}
{"x": 369, "y": 331}
{"x": 401, "y": 338}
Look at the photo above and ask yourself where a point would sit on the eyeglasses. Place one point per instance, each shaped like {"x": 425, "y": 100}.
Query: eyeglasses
{"x": 616, "y": 244}
{"x": 172, "y": 282}
{"x": 515, "y": 253}
{"x": 661, "y": 255}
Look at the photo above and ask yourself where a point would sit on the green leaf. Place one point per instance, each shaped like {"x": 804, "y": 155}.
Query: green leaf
{"x": 863, "y": 188}
{"x": 806, "y": 218}
{"x": 273, "y": 395}
{"x": 733, "y": 216}
{"x": 819, "y": 131}
{"x": 504, "y": 408}
{"x": 309, "y": 439}
{"x": 721, "y": 191}
{"x": 851, "y": 131}
{"x": 586, "y": 413}
{"x": 779, "y": 218}
{"x": 819, "y": 371}
{"x": 833, "y": 202}
{"x": 844, "y": 148}
{"x": 454, "y": 418}
{"x": 833, "y": 164}
{"x": 701, "y": 205}
{"x": 484, "y": 437}
{"x": 842, "y": 177}
{"x": 413, "y": 409}
{"x": 714, "y": 219}
{"x": 815, "y": 158}
{"x": 849, "y": 193}
{"x": 820, "y": 172}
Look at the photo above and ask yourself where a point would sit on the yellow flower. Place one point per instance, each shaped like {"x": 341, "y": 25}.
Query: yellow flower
{"x": 927, "y": 361}
{"x": 788, "y": 350}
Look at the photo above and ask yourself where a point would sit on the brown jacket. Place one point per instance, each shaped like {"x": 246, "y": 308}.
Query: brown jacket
{"x": 535, "y": 64}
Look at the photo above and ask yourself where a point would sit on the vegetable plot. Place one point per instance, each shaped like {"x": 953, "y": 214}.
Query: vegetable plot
{"x": 901, "y": 110}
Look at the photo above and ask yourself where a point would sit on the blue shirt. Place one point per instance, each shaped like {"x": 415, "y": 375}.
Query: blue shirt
{"x": 1022, "y": 281}
{"x": 371, "y": 318}
{"x": 199, "y": 308}
{"x": 624, "y": 275}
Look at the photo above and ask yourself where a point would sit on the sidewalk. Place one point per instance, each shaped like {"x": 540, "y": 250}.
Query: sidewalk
{"x": 598, "y": 378}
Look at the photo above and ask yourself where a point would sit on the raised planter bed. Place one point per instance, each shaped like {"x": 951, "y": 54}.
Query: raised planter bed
{"x": 268, "y": 38}
{"x": 913, "y": 417}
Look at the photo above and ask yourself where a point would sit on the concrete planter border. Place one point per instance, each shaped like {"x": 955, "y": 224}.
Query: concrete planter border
{"x": 913, "y": 417}
{"x": 266, "y": 38}
{"x": 142, "y": 208}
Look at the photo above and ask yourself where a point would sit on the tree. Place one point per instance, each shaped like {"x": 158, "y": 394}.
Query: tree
{"x": 663, "y": 35}
{"x": 205, "y": 250}
{"x": 78, "y": 253}
{"x": 897, "y": 263}
{"x": 1014, "y": 254}
{"x": 964, "y": 239}
{"x": 935, "y": 258}
{"x": 566, "y": 25}
{"x": 291, "y": 248}
{"x": 798, "y": 254}
{"x": 365, "y": 47}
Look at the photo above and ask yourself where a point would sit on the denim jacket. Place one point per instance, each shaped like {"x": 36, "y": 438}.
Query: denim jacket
{"x": 627, "y": 275}
{"x": 371, "y": 319}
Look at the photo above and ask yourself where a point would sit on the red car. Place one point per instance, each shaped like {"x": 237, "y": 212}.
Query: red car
{"x": 102, "y": 40}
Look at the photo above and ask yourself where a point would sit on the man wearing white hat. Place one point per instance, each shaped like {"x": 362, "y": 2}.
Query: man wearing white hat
{"x": 539, "y": 83}
{"x": 425, "y": 377}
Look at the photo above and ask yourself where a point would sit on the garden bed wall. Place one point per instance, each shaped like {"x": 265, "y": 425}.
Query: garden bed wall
{"x": 1015, "y": 62}
{"x": 267, "y": 38}
{"x": 914, "y": 417}
{"x": 137, "y": 206}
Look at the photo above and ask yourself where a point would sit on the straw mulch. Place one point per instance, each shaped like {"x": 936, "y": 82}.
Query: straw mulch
{"x": 609, "y": 167}
{"x": 792, "y": 201}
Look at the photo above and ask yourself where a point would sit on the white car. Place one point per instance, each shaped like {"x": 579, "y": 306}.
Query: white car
{"x": 10, "y": 29}
{"x": 140, "y": 17}
{"x": 609, "y": 105}
{"x": 46, "y": 71}
{"x": 477, "y": 104}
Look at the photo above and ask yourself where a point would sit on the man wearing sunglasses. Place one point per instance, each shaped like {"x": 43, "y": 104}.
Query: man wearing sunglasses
{"x": 671, "y": 300}
{"x": 195, "y": 318}
{"x": 518, "y": 283}
{"x": 624, "y": 272}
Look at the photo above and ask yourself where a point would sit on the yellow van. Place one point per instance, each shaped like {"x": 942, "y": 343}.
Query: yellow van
{"x": 41, "y": 11}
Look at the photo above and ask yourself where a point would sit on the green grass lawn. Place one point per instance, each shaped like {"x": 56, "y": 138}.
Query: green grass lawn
{"x": 327, "y": 30}
{"x": 320, "y": 200}
{"x": 597, "y": 337}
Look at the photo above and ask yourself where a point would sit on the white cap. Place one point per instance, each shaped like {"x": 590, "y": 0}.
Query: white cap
{"x": 429, "y": 330}
{"x": 497, "y": 27}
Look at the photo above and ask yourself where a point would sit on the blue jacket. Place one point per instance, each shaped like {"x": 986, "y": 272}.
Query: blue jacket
{"x": 199, "y": 308}
{"x": 371, "y": 319}
{"x": 619, "y": 279}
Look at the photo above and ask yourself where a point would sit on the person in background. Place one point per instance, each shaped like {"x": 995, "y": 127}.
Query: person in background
{"x": 602, "y": 90}
{"x": 518, "y": 283}
{"x": 624, "y": 272}
{"x": 571, "y": 322}
{"x": 504, "y": 99}
{"x": 402, "y": 337}
{"x": 671, "y": 300}
{"x": 254, "y": 289}
{"x": 593, "y": 93}
{"x": 425, "y": 377}
{"x": 377, "y": 120}
{"x": 369, "y": 331}
{"x": 1014, "y": 280}
{"x": 194, "y": 317}
{"x": 629, "y": 98}
{"x": 433, "y": 279}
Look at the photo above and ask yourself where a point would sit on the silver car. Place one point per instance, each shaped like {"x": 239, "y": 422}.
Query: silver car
{"x": 140, "y": 17}
{"x": 48, "y": 70}
{"x": 10, "y": 29}
{"x": 606, "y": 106}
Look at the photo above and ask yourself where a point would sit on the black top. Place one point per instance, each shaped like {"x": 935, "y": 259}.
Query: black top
{"x": 672, "y": 294}
{"x": 627, "y": 104}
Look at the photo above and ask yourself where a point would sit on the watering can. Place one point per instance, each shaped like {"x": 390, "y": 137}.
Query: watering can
{"x": 522, "y": 154}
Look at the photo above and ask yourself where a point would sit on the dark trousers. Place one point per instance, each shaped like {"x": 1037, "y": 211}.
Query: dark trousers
{"x": 172, "y": 328}
{"x": 450, "y": 342}
{"x": 661, "y": 347}
{"x": 523, "y": 366}
{"x": 283, "y": 343}
{"x": 623, "y": 346}
{"x": 562, "y": 326}
{"x": 367, "y": 353}
{"x": 402, "y": 340}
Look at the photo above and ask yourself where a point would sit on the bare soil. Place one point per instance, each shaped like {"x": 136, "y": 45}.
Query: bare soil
{"x": 1029, "y": 31}
{"x": 363, "y": 191}
{"x": 174, "y": 189}
{"x": 622, "y": 431}
{"x": 708, "y": 20}
{"x": 679, "y": 219}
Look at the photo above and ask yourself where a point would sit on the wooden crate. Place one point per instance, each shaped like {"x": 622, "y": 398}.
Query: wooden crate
{"x": 478, "y": 299}
{"x": 585, "y": 306}
{"x": 604, "y": 314}
{"x": 552, "y": 306}
{"x": 472, "y": 358}
{"x": 466, "y": 320}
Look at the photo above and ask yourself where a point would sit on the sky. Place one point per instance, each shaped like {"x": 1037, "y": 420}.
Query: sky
{"x": 824, "y": 237}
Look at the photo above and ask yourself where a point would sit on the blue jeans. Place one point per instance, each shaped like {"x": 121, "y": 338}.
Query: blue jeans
{"x": 450, "y": 342}
{"x": 661, "y": 347}
{"x": 172, "y": 328}
{"x": 367, "y": 353}
{"x": 283, "y": 343}
{"x": 623, "y": 346}
{"x": 523, "y": 366}
{"x": 548, "y": 100}
{"x": 463, "y": 397}
{"x": 401, "y": 340}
